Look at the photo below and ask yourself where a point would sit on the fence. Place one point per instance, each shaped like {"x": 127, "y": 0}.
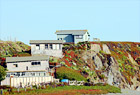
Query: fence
{"x": 22, "y": 81}
{"x": 76, "y": 82}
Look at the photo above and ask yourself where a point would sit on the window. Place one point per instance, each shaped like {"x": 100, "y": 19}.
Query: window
{"x": 59, "y": 38}
{"x": 37, "y": 47}
{"x": 8, "y": 75}
{"x": 23, "y": 74}
{"x": 46, "y": 46}
{"x": 32, "y": 74}
{"x": 79, "y": 37}
{"x": 26, "y": 67}
{"x": 51, "y": 46}
{"x": 35, "y": 63}
{"x": 15, "y": 65}
{"x": 18, "y": 74}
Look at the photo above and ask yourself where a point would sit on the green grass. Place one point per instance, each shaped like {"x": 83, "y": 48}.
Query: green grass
{"x": 104, "y": 89}
{"x": 68, "y": 73}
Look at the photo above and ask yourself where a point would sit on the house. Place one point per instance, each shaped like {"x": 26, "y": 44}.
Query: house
{"x": 27, "y": 70}
{"x": 74, "y": 36}
{"x": 47, "y": 47}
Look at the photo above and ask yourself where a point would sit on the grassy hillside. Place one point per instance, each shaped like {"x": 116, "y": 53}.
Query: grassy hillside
{"x": 116, "y": 63}
{"x": 9, "y": 49}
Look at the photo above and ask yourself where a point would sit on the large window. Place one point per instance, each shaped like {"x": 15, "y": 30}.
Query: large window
{"x": 46, "y": 46}
{"x": 35, "y": 63}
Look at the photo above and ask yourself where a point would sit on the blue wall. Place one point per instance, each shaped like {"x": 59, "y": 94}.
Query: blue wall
{"x": 66, "y": 38}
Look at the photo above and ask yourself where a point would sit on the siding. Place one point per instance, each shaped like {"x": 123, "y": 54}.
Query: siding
{"x": 22, "y": 66}
{"x": 17, "y": 81}
{"x": 56, "y": 51}
{"x": 72, "y": 38}
{"x": 77, "y": 39}
{"x": 66, "y": 38}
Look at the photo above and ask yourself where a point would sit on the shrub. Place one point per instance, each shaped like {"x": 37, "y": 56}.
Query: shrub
{"x": 2, "y": 73}
{"x": 68, "y": 73}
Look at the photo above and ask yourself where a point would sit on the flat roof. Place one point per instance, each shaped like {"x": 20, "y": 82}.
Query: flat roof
{"x": 45, "y": 41}
{"x": 73, "y": 32}
{"x": 27, "y": 71}
{"x": 29, "y": 58}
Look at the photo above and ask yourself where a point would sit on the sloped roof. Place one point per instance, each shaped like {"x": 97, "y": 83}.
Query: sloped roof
{"x": 30, "y": 58}
{"x": 73, "y": 32}
{"x": 45, "y": 41}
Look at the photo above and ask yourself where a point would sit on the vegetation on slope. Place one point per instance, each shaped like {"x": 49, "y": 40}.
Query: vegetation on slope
{"x": 9, "y": 49}
{"x": 81, "y": 58}
{"x": 68, "y": 90}
{"x": 2, "y": 73}
{"x": 68, "y": 73}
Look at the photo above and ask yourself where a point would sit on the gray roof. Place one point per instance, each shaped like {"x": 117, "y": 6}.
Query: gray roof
{"x": 45, "y": 41}
{"x": 73, "y": 32}
{"x": 30, "y": 58}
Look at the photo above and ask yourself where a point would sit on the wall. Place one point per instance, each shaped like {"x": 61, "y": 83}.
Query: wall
{"x": 6, "y": 81}
{"x": 86, "y": 37}
{"x": 22, "y": 66}
{"x": 16, "y": 81}
{"x": 56, "y": 51}
{"x": 66, "y": 38}
{"x": 78, "y": 39}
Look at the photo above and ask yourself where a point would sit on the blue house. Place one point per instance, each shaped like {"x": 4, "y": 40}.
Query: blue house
{"x": 74, "y": 36}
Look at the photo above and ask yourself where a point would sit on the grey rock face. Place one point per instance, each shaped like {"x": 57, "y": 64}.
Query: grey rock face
{"x": 106, "y": 49}
{"x": 98, "y": 62}
{"x": 95, "y": 47}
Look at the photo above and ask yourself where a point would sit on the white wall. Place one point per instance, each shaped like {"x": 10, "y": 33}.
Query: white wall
{"x": 22, "y": 66}
{"x": 52, "y": 52}
{"x": 15, "y": 81}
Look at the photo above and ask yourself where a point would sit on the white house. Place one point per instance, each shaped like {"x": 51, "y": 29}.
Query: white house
{"x": 73, "y": 36}
{"x": 47, "y": 47}
{"x": 33, "y": 69}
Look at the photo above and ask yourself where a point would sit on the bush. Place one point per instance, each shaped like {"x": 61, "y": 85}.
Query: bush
{"x": 2, "y": 73}
{"x": 4, "y": 87}
{"x": 68, "y": 73}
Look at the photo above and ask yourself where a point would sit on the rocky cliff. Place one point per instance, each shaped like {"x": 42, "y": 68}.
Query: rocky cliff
{"x": 115, "y": 63}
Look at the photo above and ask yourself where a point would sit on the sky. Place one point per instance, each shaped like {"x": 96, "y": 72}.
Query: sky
{"x": 109, "y": 20}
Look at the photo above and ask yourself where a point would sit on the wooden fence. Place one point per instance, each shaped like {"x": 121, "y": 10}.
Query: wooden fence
{"x": 27, "y": 81}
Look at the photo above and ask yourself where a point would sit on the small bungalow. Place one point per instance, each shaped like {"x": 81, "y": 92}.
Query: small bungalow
{"x": 27, "y": 70}
{"x": 47, "y": 47}
{"x": 73, "y": 36}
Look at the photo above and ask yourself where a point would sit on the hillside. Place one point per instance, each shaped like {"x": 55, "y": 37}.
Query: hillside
{"x": 115, "y": 63}
{"x": 9, "y": 49}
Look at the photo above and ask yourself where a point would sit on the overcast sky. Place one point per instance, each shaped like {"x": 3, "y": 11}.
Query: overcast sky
{"x": 109, "y": 20}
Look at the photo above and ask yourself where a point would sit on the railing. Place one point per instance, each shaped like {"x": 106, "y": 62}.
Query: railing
{"x": 76, "y": 83}
{"x": 56, "y": 80}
